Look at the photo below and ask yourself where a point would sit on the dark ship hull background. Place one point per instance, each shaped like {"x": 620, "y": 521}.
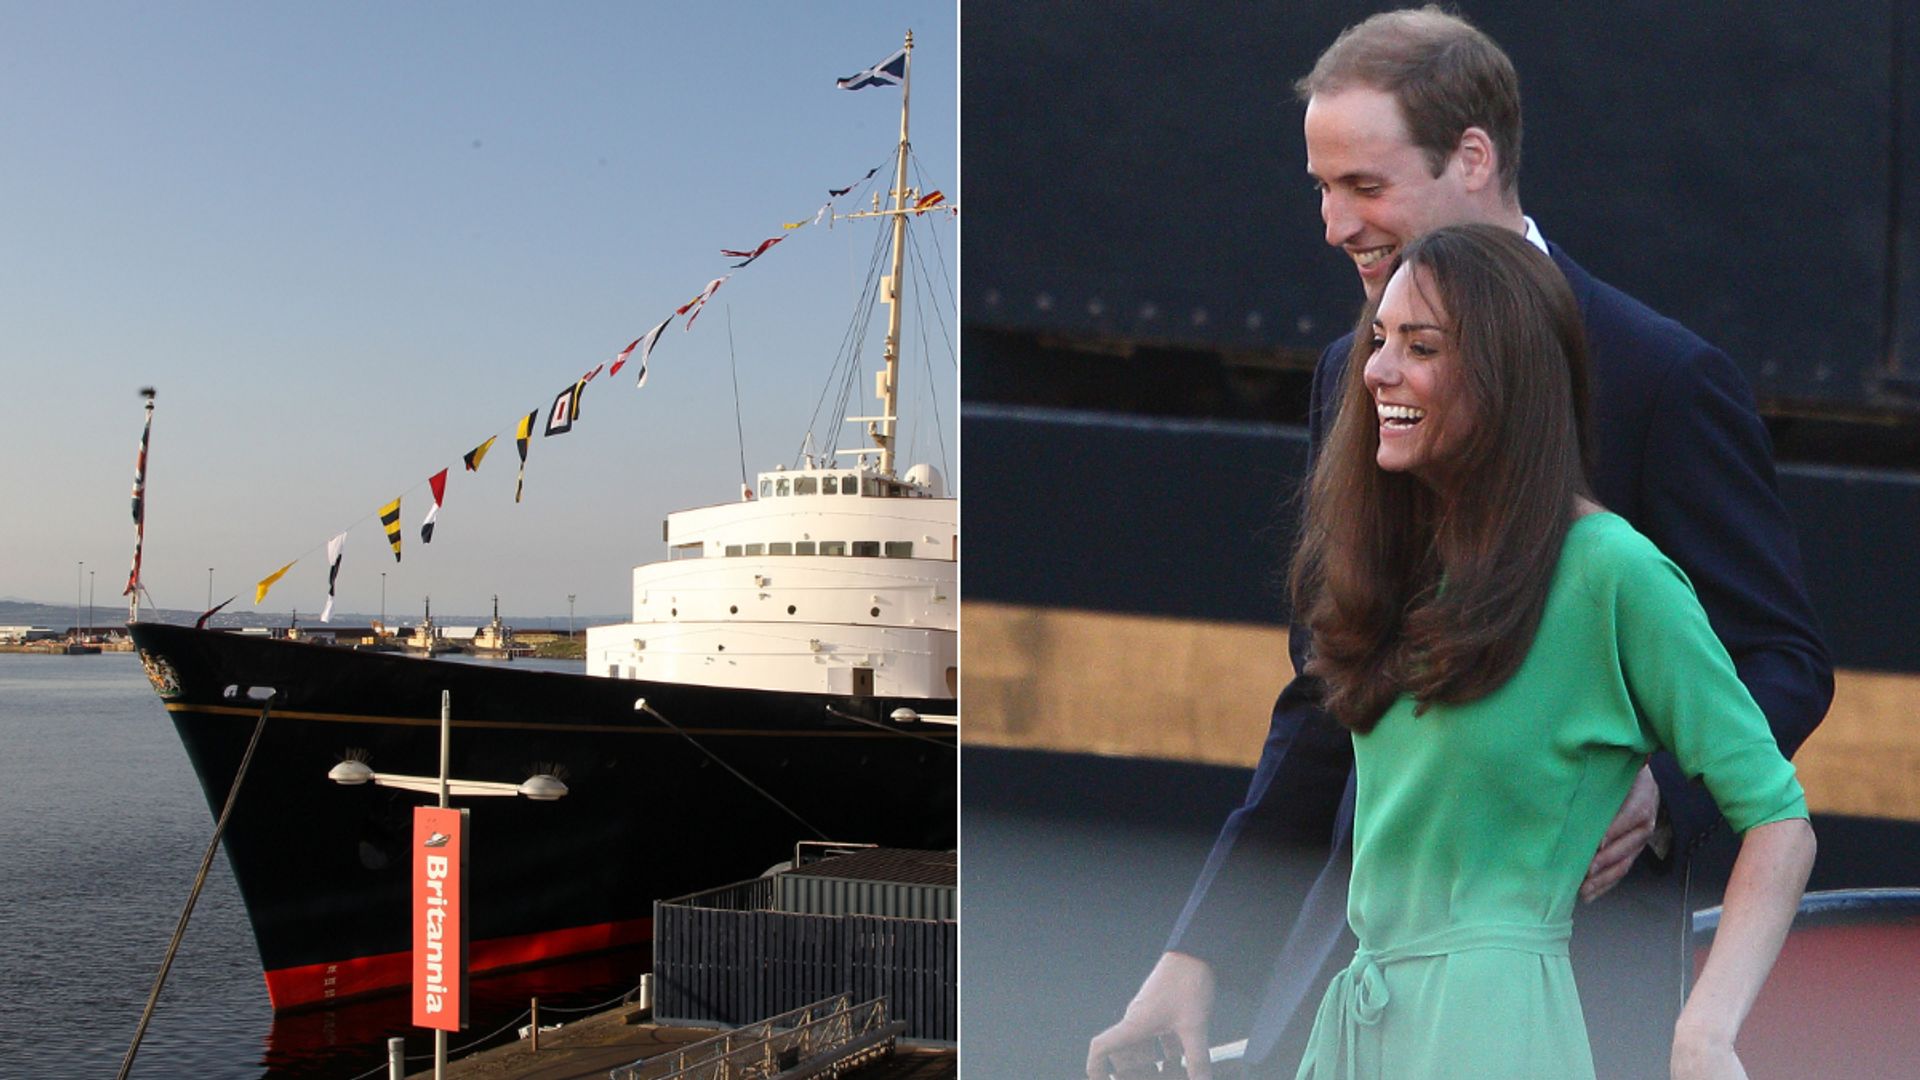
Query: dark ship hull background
{"x": 1750, "y": 170}
{"x": 323, "y": 868}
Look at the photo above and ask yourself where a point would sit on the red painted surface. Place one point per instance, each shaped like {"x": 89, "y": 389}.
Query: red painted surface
{"x": 440, "y": 918}
{"x": 1843, "y": 1001}
{"x": 315, "y": 984}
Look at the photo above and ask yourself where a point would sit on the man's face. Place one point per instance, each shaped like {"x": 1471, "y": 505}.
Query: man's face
{"x": 1376, "y": 191}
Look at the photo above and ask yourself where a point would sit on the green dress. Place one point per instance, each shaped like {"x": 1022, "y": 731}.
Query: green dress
{"x": 1474, "y": 824}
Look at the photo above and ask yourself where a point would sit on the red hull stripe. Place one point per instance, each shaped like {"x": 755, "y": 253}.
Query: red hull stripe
{"x": 314, "y": 984}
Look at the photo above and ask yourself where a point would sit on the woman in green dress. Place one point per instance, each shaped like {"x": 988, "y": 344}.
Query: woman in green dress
{"x": 1507, "y": 654}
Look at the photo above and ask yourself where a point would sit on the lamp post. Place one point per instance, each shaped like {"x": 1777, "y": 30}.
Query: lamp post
{"x": 541, "y": 787}
{"x": 89, "y": 602}
{"x": 79, "y": 575}
{"x": 569, "y": 617}
{"x": 209, "y": 606}
{"x": 383, "y": 601}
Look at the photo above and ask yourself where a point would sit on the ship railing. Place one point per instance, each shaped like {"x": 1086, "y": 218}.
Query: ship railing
{"x": 826, "y": 1038}
{"x": 753, "y": 895}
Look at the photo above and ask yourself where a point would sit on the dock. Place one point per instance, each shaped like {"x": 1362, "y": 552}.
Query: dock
{"x": 589, "y": 1047}
{"x": 844, "y": 966}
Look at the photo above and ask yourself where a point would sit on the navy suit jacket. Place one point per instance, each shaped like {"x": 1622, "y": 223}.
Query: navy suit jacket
{"x": 1681, "y": 453}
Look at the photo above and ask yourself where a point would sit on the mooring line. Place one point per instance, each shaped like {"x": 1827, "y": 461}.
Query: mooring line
{"x": 718, "y": 760}
{"x": 200, "y": 879}
{"x": 944, "y": 744}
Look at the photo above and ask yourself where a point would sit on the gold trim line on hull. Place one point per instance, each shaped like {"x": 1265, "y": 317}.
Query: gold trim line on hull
{"x": 507, "y": 725}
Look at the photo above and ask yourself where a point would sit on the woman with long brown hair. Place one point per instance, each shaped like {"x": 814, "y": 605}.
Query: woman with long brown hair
{"x": 1507, "y": 653}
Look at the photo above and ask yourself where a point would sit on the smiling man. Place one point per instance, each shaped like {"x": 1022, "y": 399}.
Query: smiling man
{"x": 1413, "y": 122}
{"x": 1379, "y": 187}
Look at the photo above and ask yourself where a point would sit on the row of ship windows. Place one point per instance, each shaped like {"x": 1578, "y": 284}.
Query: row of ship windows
{"x": 868, "y": 549}
{"x": 778, "y": 486}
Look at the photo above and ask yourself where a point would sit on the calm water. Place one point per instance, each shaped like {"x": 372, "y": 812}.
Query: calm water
{"x": 102, "y": 826}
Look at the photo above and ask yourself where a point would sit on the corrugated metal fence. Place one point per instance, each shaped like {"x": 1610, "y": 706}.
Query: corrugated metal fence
{"x": 722, "y": 957}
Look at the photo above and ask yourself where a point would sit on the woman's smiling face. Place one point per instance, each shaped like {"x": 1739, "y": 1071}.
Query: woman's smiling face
{"x": 1414, "y": 376}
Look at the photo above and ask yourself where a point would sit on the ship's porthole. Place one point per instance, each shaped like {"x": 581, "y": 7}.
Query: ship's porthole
{"x": 721, "y": 648}
{"x": 675, "y": 612}
{"x": 875, "y": 612}
{"x": 791, "y": 609}
{"x": 733, "y": 609}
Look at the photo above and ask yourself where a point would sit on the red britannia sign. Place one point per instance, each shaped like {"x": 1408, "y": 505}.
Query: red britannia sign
{"x": 439, "y": 918}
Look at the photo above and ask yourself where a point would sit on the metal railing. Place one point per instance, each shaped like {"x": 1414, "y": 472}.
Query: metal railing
{"x": 722, "y": 957}
{"x": 825, "y": 1038}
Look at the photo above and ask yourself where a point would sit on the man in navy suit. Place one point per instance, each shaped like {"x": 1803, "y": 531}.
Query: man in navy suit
{"x": 1413, "y": 123}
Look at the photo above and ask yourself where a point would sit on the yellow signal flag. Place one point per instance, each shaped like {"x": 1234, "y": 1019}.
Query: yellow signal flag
{"x": 260, "y": 590}
{"x": 524, "y": 433}
{"x": 390, "y": 517}
{"x": 475, "y": 456}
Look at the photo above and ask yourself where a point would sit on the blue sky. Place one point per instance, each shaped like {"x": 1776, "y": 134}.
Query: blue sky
{"x": 347, "y": 242}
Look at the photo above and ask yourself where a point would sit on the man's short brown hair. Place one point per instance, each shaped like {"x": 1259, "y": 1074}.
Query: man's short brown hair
{"x": 1446, "y": 75}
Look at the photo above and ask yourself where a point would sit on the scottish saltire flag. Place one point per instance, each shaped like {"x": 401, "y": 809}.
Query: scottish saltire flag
{"x": 333, "y": 573}
{"x": 622, "y": 358}
{"x": 439, "y": 485}
{"x": 646, "y": 349}
{"x": 475, "y": 456}
{"x": 260, "y": 590}
{"x": 520, "y": 438}
{"x": 889, "y": 72}
{"x": 566, "y": 409}
{"x": 390, "y": 517}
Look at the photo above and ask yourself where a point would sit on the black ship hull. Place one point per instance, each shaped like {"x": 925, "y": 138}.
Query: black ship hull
{"x": 323, "y": 869}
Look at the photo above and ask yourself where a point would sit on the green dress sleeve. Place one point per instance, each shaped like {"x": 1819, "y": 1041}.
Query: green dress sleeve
{"x": 1686, "y": 693}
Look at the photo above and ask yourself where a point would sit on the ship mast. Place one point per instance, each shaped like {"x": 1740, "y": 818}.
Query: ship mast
{"x": 889, "y": 387}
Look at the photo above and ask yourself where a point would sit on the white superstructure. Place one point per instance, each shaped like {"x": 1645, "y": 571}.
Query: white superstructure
{"x": 839, "y": 581}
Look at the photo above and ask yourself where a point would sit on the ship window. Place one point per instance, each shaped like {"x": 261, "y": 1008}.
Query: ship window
{"x": 683, "y": 551}
{"x": 756, "y": 549}
{"x": 766, "y": 488}
{"x": 805, "y": 485}
{"x": 782, "y": 547}
{"x": 733, "y": 551}
{"x": 803, "y": 547}
{"x": 872, "y": 488}
{"x": 849, "y": 485}
{"x": 833, "y": 547}
{"x": 899, "y": 549}
{"x": 782, "y": 487}
{"x": 866, "y": 549}
{"x": 829, "y": 485}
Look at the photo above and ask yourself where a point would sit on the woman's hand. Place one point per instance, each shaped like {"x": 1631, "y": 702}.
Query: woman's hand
{"x": 1698, "y": 1057}
{"x": 1760, "y": 901}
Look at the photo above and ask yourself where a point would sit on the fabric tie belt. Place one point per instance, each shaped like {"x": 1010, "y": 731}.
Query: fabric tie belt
{"x": 1358, "y": 996}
